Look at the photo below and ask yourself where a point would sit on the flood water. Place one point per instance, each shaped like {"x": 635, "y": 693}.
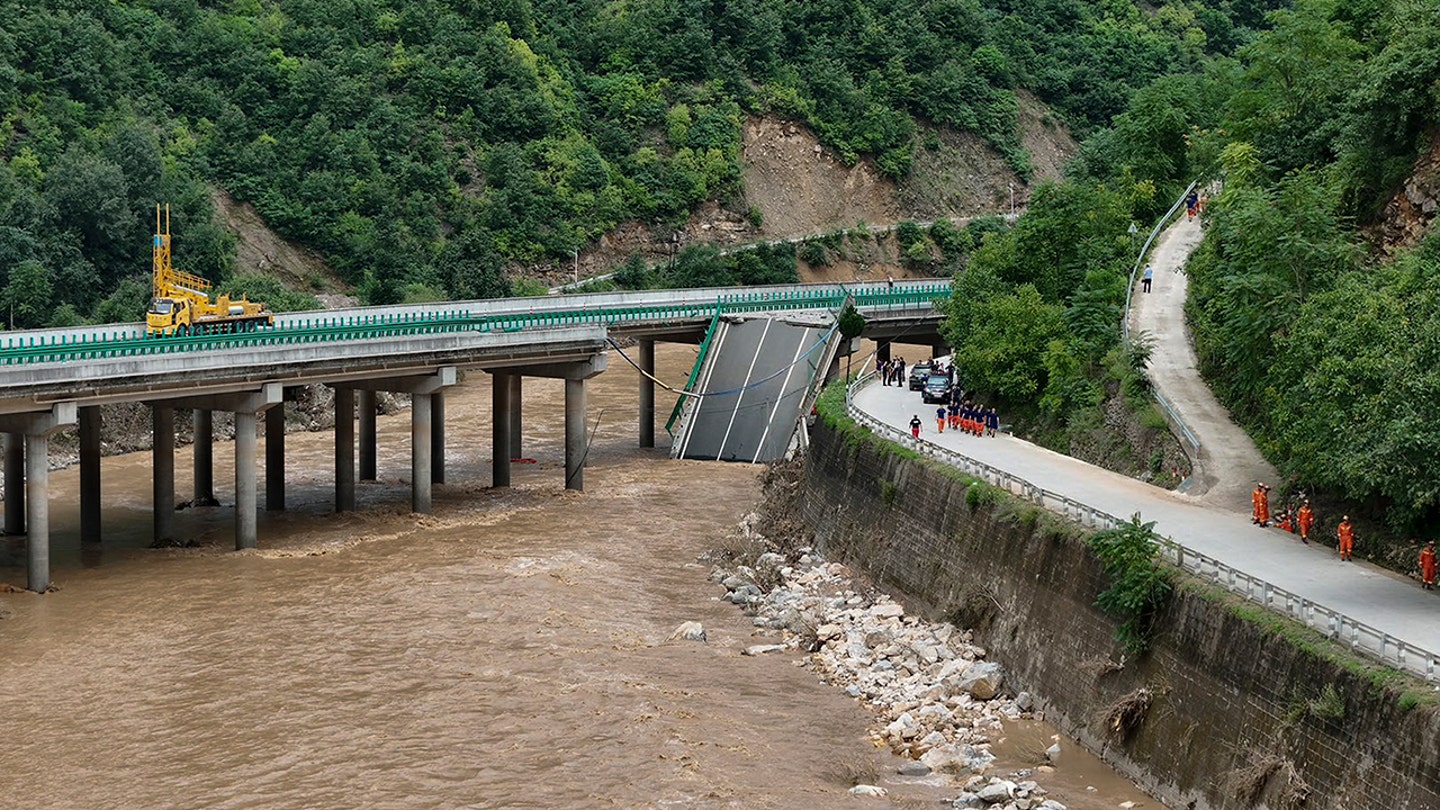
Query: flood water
{"x": 508, "y": 650}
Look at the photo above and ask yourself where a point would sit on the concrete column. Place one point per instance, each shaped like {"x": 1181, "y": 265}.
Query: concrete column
{"x": 204, "y": 422}
{"x": 647, "y": 393}
{"x": 90, "y": 474}
{"x": 437, "y": 437}
{"x": 500, "y": 430}
{"x": 575, "y": 435}
{"x": 939, "y": 349}
{"x": 420, "y": 460}
{"x": 366, "y": 403}
{"x": 882, "y": 352}
{"x": 14, "y": 483}
{"x": 245, "y": 445}
{"x": 344, "y": 449}
{"x": 516, "y": 406}
{"x": 275, "y": 459}
{"x": 163, "y": 455}
{"x": 37, "y": 499}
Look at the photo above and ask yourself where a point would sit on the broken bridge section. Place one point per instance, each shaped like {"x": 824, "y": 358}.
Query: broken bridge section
{"x": 756, "y": 380}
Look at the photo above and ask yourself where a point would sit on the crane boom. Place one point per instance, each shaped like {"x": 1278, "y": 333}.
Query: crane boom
{"x": 181, "y": 302}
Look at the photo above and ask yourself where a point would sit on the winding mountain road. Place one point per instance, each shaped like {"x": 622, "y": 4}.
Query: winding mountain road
{"x": 1214, "y": 518}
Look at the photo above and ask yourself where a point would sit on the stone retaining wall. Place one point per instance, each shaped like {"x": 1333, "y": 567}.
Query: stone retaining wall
{"x": 1243, "y": 710}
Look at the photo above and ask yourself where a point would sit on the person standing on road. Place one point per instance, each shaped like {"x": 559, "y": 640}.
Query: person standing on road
{"x": 1260, "y": 499}
{"x": 900, "y": 372}
{"x": 1345, "y": 532}
{"x": 940, "y": 419}
{"x": 1147, "y": 278}
{"x": 915, "y": 425}
{"x": 992, "y": 421}
{"x": 1306, "y": 519}
{"x": 1428, "y": 566}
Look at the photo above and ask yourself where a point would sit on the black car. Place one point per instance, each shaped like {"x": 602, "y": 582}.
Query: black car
{"x": 937, "y": 389}
{"x": 919, "y": 373}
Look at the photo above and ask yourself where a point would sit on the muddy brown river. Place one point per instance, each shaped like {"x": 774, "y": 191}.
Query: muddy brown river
{"x": 508, "y": 650}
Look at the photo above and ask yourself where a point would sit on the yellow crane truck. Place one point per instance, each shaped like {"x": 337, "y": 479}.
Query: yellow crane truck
{"x": 181, "y": 304}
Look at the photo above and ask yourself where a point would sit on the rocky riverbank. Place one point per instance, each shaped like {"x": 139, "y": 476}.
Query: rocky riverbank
{"x": 936, "y": 699}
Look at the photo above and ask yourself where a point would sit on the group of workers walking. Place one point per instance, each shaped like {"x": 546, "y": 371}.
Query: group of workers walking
{"x": 893, "y": 371}
{"x": 1301, "y": 520}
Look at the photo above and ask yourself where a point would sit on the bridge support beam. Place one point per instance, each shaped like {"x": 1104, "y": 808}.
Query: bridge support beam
{"x": 275, "y": 459}
{"x": 882, "y": 352}
{"x": 516, "y": 408}
{"x": 14, "y": 483}
{"x": 421, "y": 434}
{"x": 245, "y": 406}
{"x": 646, "y": 352}
{"x": 204, "y": 458}
{"x": 33, "y": 430}
{"x": 365, "y": 401}
{"x": 575, "y": 447}
{"x": 437, "y": 437}
{"x": 90, "y": 474}
{"x": 423, "y": 454}
{"x": 500, "y": 454}
{"x": 162, "y": 463}
{"x": 344, "y": 449}
{"x": 574, "y": 373}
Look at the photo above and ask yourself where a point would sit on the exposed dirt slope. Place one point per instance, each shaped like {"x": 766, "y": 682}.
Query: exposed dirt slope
{"x": 259, "y": 249}
{"x": 1411, "y": 212}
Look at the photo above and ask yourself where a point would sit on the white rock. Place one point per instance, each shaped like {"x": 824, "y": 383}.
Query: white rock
{"x": 997, "y": 792}
{"x": 761, "y": 649}
{"x": 983, "y": 679}
{"x": 869, "y": 790}
{"x": 825, "y": 632}
{"x": 1053, "y": 753}
{"x": 888, "y": 610}
{"x": 689, "y": 631}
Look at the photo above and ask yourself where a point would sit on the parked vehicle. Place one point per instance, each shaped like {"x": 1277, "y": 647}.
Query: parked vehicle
{"x": 937, "y": 389}
{"x": 919, "y": 373}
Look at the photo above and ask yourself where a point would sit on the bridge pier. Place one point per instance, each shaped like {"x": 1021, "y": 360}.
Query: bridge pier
{"x": 437, "y": 437}
{"x": 882, "y": 352}
{"x": 162, "y": 465}
{"x": 365, "y": 402}
{"x": 516, "y": 407}
{"x": 244, "y": 405}
{"x": 90, "y": 474}
{"x": 275, "y": 459}
{"x": 575, "y": 446}
{"x": 204, "y": 458}
{"x": 500, "y": 454}
{"x": 646, "y": 361}
{"x": 344, "y": 449}
{"x": 32, "y": 431}
{"x": 421, "y": 434}
{"x": 427, "y": 449}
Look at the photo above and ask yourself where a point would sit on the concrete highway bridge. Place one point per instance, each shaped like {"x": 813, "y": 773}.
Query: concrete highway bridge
{"x": 53, "y": 380}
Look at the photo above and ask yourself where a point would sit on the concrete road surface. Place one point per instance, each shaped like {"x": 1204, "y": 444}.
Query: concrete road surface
{"x": 1229, "y": 465}
{"x": 1364, "y": 592}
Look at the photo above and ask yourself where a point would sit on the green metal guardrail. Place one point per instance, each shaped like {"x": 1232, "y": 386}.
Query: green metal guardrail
{"x": 322, "y": 329}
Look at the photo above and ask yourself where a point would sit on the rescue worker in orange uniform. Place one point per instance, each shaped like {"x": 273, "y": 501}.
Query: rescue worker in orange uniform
{"x": 1346, "y": 533}
{"x": 1428, "y": 566}
{"x": 1306, "y": 518}
{"x": 1260, "y": 499}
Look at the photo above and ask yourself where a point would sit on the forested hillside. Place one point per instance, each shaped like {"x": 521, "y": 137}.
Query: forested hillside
{"x": 1325, "y": 346}
{"x": 424, "y": 146}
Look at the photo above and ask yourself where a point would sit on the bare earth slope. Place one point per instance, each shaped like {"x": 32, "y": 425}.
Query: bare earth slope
{"x": 1229, "y": 465}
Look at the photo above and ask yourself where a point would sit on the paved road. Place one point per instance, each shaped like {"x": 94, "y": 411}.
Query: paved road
{"x": 1229, "y": 465}
{"x": 1363, "y": 592}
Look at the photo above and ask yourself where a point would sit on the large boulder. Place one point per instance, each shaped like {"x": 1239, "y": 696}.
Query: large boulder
{"x": 983, "y": 679}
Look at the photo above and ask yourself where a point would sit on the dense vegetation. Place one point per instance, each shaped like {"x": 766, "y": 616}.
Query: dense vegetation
{"x": 423, "y": 147}
{"x": 1325, "y": 348}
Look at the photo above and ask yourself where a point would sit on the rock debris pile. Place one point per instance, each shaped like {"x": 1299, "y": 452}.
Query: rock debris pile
{"x": 936, "y": 698}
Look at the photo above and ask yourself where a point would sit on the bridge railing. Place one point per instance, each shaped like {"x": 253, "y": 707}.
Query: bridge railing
{"x": 1360, "y": 637}
{"x": 510, "y": 315}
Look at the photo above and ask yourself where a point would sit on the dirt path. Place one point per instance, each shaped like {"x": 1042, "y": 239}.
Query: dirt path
{"x": 1229, "y": 464}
